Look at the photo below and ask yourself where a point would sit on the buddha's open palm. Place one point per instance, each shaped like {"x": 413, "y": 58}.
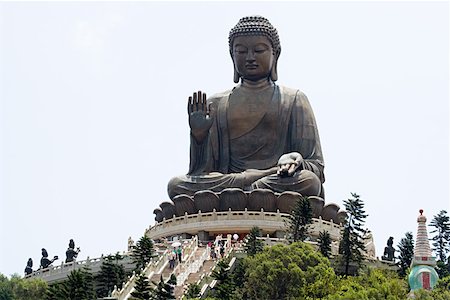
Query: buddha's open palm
{"x": 199, "y": 116}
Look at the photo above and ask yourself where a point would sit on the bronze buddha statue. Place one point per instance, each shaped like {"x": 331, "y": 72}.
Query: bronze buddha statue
{"x": 259, "y": 135}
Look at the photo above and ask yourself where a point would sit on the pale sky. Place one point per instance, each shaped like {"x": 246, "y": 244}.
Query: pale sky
{"x": 93, "y": 119}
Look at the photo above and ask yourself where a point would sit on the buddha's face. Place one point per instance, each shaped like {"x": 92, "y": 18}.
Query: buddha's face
{"x": 253, "y": 57}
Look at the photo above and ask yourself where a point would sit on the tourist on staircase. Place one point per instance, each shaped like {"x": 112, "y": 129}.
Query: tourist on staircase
{"x": 179, "y": 251}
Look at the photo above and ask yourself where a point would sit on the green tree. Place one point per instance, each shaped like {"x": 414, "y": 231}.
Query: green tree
{"x": 324, "y": 242}
{"x": 352, "y": 243}
{"x": 111, "y": 274}
{"x": 5, "y": 288}
{"x": 222, "y": 274}
{"x": 299, "y": 220}
{"x": 143, "y": 252}
{"x": 17, "y": 288}
{"x": 193, "y": 291}
{"x": 57, "y": 291}
{"x": 295, "y": 271}
{"x": 80, "y": 285}
{"x": 434, "y": 294}
{"x": 442, "y": 269}
{"x": 371, "y": 284}
{"x": 441, "y": 223}
{"x": 406, "y": 253}
{"x": 28, "y": 289}
{"x": 142, "y": 289}
{"x": 252, "y": 244}
{"x": 165, "y": 289}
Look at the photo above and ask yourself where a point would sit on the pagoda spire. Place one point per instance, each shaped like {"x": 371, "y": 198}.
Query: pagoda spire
{"x": 422, "y": 248}
{"x": 422, "y": 275}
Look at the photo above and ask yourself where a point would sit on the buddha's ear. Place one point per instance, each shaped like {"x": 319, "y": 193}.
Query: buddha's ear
{"x": 274, "y": 72}
{"x": 236, "y": 76}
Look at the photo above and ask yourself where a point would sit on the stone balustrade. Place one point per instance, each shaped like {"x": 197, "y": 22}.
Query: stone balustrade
{"x": 153, "y": 267}
{"x": 148, "y": 271}
{"x": 60, "y": 272}
{"x": 192, "y": 265}
{"x": 234, "y": 221}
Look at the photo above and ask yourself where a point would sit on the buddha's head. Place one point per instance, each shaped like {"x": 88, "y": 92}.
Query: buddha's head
{"x": 254, "y": 48}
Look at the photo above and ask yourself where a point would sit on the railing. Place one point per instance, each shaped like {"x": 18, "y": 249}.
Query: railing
{"x": 245, "y": 218}
{"x": 60, "y": 272}
{"x": 128, "y": 286}
{"x": 188, "y": 258}
{"x": 205, "y": 281}
{"x": 153, "y": 267}
{"x": 193, "y": 267}
{"x": 215, "y": 215}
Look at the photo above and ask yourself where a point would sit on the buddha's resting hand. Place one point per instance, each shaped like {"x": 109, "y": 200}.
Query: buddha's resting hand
{"x": 289, "y": 163}
{"x": 199, "y": 116}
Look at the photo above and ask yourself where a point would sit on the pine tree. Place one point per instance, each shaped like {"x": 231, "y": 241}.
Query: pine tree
{"x": 324, "y": 242}
{"x": 143, "y": 252}
{"x": 352, "y": 246}
{"x": 111, "y": 274}
{"x": 80, "y": 285}
{"x": 441, "y": 223}
{"x": 252, "y": 244}
{"x": 406, "y": 253}
{"x": 193, "y": 291}
{"x": 299, "y": 220}
{"x": 442, "y": 269}
{"x": 165, "y": 290}
{"x": 142, "y": 289}
{"x": 221, "y": 273}
{"x": 56, "y": 291}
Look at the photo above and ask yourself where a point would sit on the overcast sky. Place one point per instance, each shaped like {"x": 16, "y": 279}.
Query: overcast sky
{"x": 93, "y": 120}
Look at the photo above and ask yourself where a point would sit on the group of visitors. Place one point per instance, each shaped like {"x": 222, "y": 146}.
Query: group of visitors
{"x": 174, "y": 256}
{"x": 216, "y": 249}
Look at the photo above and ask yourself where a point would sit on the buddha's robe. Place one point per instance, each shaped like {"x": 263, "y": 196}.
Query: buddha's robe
{"x": 250, "y": 132}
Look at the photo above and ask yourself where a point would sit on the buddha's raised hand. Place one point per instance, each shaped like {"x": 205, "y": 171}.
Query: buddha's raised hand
{"x": 199, "y": 116}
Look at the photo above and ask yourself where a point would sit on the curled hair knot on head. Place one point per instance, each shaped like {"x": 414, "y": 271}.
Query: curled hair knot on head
{"x": 255, "y": 25}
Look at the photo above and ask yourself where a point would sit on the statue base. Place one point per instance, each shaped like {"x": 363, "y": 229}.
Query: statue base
{"x": 207, "y": 225}
{"x": 236, "y": 199}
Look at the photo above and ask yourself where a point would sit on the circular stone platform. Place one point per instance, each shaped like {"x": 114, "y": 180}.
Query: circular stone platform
{"x": 211, "y": 223}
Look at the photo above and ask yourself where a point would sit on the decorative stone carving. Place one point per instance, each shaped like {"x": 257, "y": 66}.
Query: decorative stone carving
{"x": 341, "y": 216}
{"x": 184, "y": 203}
{"x": 159, "y": 216}
{"x": 168, "y": 209}
{"x": 329, "y": 212}
{"x": 233, "y": 198}
{"x": 317, "y": 204}
{"x": 262, "y": 198}
{"x": 206, "y": 201}
{"x": 286, "y": 201}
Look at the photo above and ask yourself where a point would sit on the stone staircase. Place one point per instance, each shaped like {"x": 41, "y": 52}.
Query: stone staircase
{"x": 200, "y": 268}
{"x": 192, "y": 270}
{"x": 155, "y": 269}
{"x": 196, "y": 267}
{"x": 206, "y": 268}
